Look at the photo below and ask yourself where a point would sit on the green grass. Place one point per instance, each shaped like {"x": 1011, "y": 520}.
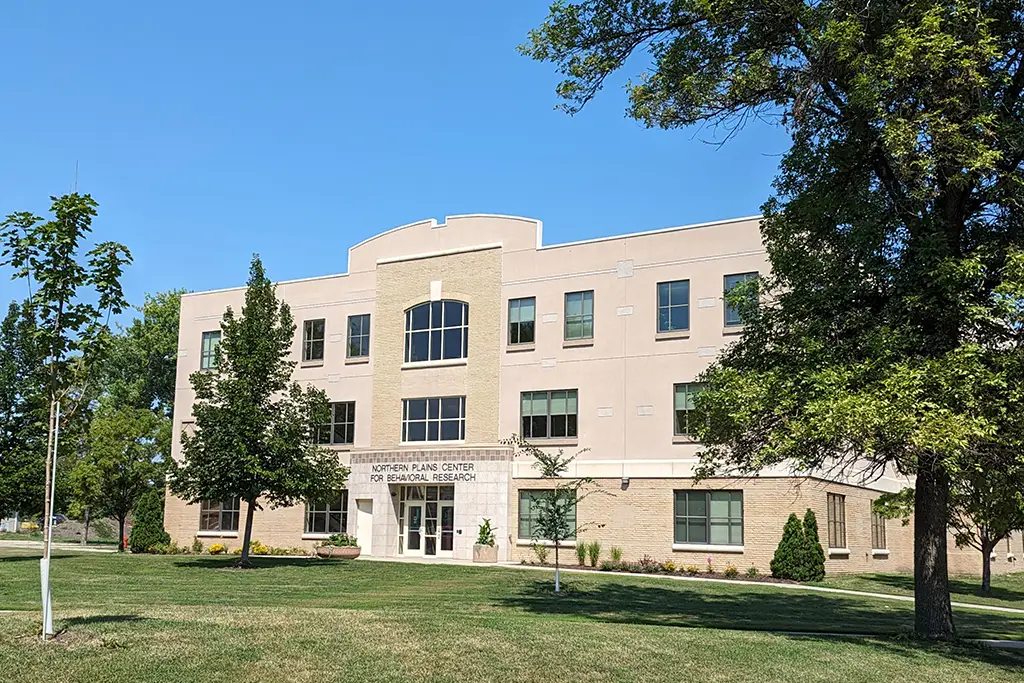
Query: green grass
{"x": 1007, "y": 589}
{"x": 186, "y": 618}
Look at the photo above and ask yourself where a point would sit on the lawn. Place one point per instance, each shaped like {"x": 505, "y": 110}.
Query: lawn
{"x": 57, "y": 538}
{"x": 183, "y": 618}
{"x": 1007, "y": 589}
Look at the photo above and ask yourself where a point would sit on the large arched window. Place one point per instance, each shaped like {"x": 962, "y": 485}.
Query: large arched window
{"x": 437, "y": 330}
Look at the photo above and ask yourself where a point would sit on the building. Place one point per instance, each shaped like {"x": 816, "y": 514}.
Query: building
{"x": 441, "y": 339}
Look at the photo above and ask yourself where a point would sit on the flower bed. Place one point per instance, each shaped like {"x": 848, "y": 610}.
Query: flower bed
{"x": 669, "y": 568}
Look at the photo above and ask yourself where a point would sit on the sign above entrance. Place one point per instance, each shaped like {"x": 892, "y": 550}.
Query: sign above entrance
{"x": 427, "y": 472}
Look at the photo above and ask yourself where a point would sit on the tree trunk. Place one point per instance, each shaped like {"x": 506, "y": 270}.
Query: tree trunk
{"x": 47, "y": 512}
{"x": 85, "y": 534}
{"x": 120, "y": 534}
{"x": 933, "y": 613}
{"x": 243, "y": 561}
{"x": 987, "y": 546}
{"x": 558, "y": 586}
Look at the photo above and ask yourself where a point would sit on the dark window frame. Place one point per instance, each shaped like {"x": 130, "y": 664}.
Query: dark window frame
{"x": 529, "y": 517}
{"x": 570, "y": 426}
{"x": 516, "y": 329}
{"x": 208, "y": 356}
{"x": 732, "y": 316}
{"x": 709, "y": 519}
{"x": 220, "y": 515}
{"x": 439, "y": 332}
{"x": 358, "y": 341}
{"x": 328, "y": 433}
{"x": 691, "y": 389}
{"x": 836, "y": 515}
{"x": 321, "y": 515}
{"x": 671, "y": 304}
{"x": 312, "y": 345}
{"x": 878, "y": 540}
{"x": 433, "y": 420}
{"x": 582, "y": 318}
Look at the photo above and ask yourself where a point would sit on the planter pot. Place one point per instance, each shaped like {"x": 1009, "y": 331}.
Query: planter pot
{"x": 485, "y": 553}
{"x": 339, "y": 552}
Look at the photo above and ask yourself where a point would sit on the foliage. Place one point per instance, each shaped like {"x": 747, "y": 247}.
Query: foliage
{"x": 791, "y": 554}
{"x": 197, "y": 545}
{"x": 255, "y": 428}
{"x": 692, "y": 570}
{"x": 148, "y": 523}
{"x": 541, "y": 551}
{"x": 485, "y": 534}
{"x": 616, "y": 554}
{"x": 669, "y": 566}
{"x": 218, "y": 549}
{"x": 340, "y": 541}
{"x": 581, "y": 552}
{"x": 752, "y": 572}
{"x": 711, "y": 566}
{"x": 888, "y": 333}
{"x": 815, "y": 569}
{"x": 731, "y": 572}
{"x": 593, "y": 552}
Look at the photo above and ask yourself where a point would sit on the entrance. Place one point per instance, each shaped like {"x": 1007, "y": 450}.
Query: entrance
{"x": 426, "y": 518}
{"x": 364, "y": 525}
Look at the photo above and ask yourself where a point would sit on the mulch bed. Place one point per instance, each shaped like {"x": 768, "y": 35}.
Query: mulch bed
{"x": 760, "y": 578}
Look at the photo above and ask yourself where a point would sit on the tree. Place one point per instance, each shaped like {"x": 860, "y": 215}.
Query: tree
{"x": 71, "y": 323}
{"x": 894, "y": 233}
{"x": 555, "y": 518}
{"x": 815, "y": 553}
{"x": 148, "y": 522}
{"x": 255, "y": 430}
{"x": 790, "y": 555}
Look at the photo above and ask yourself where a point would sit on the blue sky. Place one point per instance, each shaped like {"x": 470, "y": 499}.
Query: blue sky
{"x": 209, "y": 131}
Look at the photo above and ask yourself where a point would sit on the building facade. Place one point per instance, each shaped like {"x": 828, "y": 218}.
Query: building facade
{"x": 443, "y": 339}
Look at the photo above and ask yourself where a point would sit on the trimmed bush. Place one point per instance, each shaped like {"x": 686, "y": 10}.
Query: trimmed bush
{"x": 815, "y": 553}
{"x": 790, "y": 555}
{"x": 148, "y": 523}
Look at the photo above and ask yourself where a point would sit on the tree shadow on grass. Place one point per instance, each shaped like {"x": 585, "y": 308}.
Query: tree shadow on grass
{"x": 104, "y": 619}
{"x": 757, "y": 609}
{"x": 33, "y": 557}
{"x": 960, "y": 586}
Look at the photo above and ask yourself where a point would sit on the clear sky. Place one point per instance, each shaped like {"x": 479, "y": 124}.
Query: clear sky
{"x": 211, "y": 130}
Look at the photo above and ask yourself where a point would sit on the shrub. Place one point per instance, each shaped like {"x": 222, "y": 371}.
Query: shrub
{"x": 167, "y": 549}
{"x": 648, "y": 564}
{"x": 257, "y": 548}
{"x": 815, "y": 568}
{"x": 669, "y": 566}
{"x": 751, "y": 572}
{"x": 485, "y": 534}
{"x": 148, "y": 523}
{"x": 218, "y": 549}
{"x": 197, "y": 545}
{"x": 609, "y": 566}
{"x": 616, "y": 554}
{"x": 711, "y": 567}
{"x": 593, "y": 552}
{"x": 340, "y": 541}
{"x": 731, "y": 572}
{"x": 581, "y": 553}
{"x": 692, "y": 569}
{"x": 791, "y": 554}
{"x": 541, "y": 551}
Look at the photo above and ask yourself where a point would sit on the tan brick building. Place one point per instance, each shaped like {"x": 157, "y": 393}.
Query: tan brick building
{"x": 441, "y": 339}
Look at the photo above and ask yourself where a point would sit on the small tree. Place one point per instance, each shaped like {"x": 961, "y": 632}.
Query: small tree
{"x": 255, "y": 430}
{"x": 555, "y": 509}
{"x": 789, "y": 555}
{"x": 815, "y": 566}
{"x": 148, "y": 522}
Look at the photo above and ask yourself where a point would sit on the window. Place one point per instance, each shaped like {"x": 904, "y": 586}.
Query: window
{"x": 877, "y": 531}
{"x": 313, "y": 340}
{"x": 709, "y": 517}
{"x": 548, "y": 414}
{"x": 529, "y": 501}
{"x": 522, "y": 314}
{"x": 732, "y": 315}
{"x": 673, "y": 306}
{"x": 328, "y": 516}
{"x": 836, "y": 521}
{"x": 359, "y": 335}
{"x": 215, "y": 515}
{"x": 684, "y": 395}
{"x": 342, "y": 427}
{"x": 579, "y": 315}
{"x": 434, "y": 419}
{"x": 437, "y": 330}
{"x": 208, "y": 358}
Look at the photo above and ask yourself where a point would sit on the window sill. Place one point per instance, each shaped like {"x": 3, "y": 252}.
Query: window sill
{"x": 557, "y": 441}
{"x": 838, "y": 552}
{"x": 315, "y": 537}
{"x": 217, "y": 534}
{"x": 519, "y": 348}
{"x": 547, "y": 544}
{"x": 684, "y": 439}
{"x": 420, "y": 444}
{"x": 672, "y": 334}
{"x": 879, "y": 552}
{"x": 358, "y": 360}
{"x": 732, "y": 329}
{"x": 338, "y": 446}
{"x": 312, "y": 363}
{"x": 577, "y": 343}
{"x": 448, "y": 362}
{"x": 708, "y": 548}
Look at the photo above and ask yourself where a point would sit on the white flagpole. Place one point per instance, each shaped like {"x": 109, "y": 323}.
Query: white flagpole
{"x": 44, "y": 564}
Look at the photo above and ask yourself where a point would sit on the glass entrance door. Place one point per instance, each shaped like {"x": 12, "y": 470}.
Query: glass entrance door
{"x": 427, "y": 520}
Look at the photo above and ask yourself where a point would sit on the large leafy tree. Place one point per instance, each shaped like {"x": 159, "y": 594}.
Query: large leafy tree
{"x": 255, "y": 429}
{"x": 894, "y": 232}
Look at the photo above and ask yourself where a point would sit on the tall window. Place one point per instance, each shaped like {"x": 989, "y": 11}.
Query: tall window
{"x": 522, "y": 314}
{"x": 327, "y": 516}
{"x": 732, "y": 314}
{"x": 673, "y": 306}
{"x": 208, "y": 357}
{"x": 548, "y": 414}
{"x": 836, "y": 521}
{"x": 528, "y": 508}
{"x": 434, "y": 419}
{"x": 359, "y": 335}
{"x": 342, "y": 427}
{"x": 579, "y": 315}
{"x": 313, "y": 340}
{"x": 877, "y": 531}
{"x": 217, "y": 515}
{"x": 437, "y": 330}
{"x": 709, "y": 517}
{"x": 684, "y": 408}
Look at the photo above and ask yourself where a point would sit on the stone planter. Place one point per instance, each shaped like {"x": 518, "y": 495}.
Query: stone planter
{"x": 485, "y": 553}
{"x": 340, "y": 552}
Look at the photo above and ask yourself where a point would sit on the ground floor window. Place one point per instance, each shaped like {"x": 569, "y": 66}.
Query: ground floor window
{"x": 877, "y": 531}
{"x": 836, "y": 521}
{"x": 327, "y": 516}
{"x": 529, "y": 504}
{"x": 219, "y": 515}
{"x": 426, "y": 520}
{"x": 709, "y": 517}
